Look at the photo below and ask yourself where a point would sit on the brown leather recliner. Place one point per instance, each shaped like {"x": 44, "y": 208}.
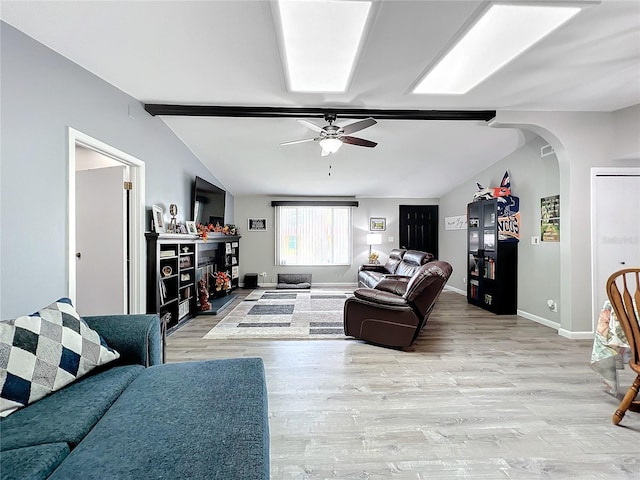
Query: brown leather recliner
{"x": 393, "y": 313}
{"x": 400, "y": 262}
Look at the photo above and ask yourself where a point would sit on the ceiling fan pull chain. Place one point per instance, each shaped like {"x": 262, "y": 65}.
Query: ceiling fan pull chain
{"x": 329, "y": 168}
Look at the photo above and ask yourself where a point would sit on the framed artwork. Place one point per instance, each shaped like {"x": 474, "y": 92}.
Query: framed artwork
{"x": 550, "y": 218}
{"x": 191, "y": 227}
{"x": 257, "y": 225}
{"x": 158, "y": 219}
{"x": 377, "y": 224}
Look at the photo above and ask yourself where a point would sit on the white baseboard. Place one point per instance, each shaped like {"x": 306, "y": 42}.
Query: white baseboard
{"x": 456, "y": 290}
{"x": 575, "y": 335}
{"x": 556, "y": 326}
{"x": 543, "y": 321}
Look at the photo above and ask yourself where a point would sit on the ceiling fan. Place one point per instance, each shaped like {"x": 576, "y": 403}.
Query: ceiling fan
{"x": 332, "y": 136}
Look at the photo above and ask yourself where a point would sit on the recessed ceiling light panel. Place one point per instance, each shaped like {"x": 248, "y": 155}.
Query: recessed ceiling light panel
{"x": 321, "y": 40}
{"x": 500, "y": 35}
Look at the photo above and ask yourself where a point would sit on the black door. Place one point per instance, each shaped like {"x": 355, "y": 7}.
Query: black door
{"x": 419, "y": 228}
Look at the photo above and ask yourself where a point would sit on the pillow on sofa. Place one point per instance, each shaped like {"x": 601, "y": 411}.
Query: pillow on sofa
{"x": 42, "y": 352}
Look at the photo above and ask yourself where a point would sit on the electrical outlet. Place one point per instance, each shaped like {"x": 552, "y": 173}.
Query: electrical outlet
{"x": 535, "y": 240}
{"x": 464, "y": 280}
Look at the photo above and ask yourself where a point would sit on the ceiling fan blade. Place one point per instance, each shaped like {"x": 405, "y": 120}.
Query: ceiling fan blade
{"x": 361, "y": 142}
{"x": 310, "y": 125}
{"x": 357, "y": 126}
{"x": 299, "y": 141}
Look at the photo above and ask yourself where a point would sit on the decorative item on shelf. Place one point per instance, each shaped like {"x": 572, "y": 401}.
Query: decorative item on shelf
{"x": 191, "y": 227}
{"x": 230, "y": 229}
{"x": 166, "y": 270}
{"x": 373, "y": 239}
{"x": 204, "y": 230}
{"x": 203, "y": 295}
{"x": 504, "y": 190}
{"x": 223, "y": 282}
{"x": 158, "y": 219}
{"x": 173, "y": 225}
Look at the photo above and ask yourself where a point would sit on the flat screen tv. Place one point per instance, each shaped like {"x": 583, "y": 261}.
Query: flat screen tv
{"x": 208, "y": 203}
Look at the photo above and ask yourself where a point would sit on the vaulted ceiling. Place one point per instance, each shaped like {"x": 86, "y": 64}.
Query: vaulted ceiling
{"x": 227, "y": 53}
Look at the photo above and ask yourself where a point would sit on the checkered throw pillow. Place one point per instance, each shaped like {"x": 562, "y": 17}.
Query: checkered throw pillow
{"x": 45, "y": 351}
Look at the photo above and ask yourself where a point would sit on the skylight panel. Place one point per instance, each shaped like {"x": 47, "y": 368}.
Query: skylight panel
{"x": 321, "y": 40}
{"x": 499, "y": 36}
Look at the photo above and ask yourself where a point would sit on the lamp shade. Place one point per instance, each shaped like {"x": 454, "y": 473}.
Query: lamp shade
{"x": 374, "y": 239}
{"x": 330, "y": 145}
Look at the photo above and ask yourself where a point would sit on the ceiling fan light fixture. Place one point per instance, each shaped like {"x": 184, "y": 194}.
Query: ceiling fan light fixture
{"x": 330, "y": 145}
{"x": 499, "y": 36}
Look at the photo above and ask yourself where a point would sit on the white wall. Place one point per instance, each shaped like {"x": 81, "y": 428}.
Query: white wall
{"x": 42, "y": 94}
{"x": 257, "y": 249}
{"x": 581, "y": 140}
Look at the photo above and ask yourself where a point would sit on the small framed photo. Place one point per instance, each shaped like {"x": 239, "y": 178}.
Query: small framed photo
{"x": 191, "y": 227}
{"x": 377, "y": 224}
{"x": 158, "y": 219}
{"x": 257, "y": 225}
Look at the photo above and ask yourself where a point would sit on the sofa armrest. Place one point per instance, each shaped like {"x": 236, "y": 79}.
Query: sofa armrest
{"x": 370, "y": 267}
{"x": 136, "y": 337}
{"x": 395, "y": 284}
{"x": 380, "y": 297}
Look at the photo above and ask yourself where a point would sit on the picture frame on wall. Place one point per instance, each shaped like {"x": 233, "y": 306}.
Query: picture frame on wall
{"x": 257, "y": 225}
{"x": 377, "y": 224}
{"x": 158, "y": 219}
{"x": 191, "y": 227}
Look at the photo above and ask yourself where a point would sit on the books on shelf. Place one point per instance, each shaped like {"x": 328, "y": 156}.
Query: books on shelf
{"x": 167, "y": 253}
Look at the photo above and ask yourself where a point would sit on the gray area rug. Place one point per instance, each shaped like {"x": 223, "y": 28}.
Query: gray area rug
{"x": 264, "y": 314}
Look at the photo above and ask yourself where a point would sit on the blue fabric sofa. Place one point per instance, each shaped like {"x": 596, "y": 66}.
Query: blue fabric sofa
{"x": 138, "y": 418}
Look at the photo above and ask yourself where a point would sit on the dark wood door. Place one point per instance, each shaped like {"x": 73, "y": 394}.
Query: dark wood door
{"x": 419, "y": 228}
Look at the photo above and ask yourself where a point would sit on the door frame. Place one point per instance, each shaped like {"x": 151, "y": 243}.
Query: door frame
{"x": 597, "y": 172}
{"x": 137, "y": 264}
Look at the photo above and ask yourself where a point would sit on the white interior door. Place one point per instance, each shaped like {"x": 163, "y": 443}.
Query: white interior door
{"x": 101, "y": 241}
{"x": 616, "y": 224}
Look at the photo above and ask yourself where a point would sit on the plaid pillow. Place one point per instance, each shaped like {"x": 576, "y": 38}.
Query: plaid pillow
{"x": 45, "y": 351}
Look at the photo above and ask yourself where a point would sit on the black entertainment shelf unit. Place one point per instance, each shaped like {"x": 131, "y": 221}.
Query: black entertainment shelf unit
{"x": 175, "y": 265}
{"x": 492, "y": 263}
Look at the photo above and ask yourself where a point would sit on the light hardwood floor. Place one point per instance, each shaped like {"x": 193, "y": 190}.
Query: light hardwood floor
{"x": 478, "y": 396}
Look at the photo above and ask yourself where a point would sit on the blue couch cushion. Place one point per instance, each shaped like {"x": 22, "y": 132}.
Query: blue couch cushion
{"x": 69, "y": 414}
{"x": 195, "y": 420}
{"x": 34, "y": 463}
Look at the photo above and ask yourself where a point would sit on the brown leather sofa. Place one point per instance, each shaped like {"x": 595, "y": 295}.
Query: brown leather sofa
{"x": 393, "y": 313}
{"x": 401, "y": 262}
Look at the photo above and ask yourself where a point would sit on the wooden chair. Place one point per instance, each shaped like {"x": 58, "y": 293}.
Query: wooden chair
{"x": 619, "y": 291}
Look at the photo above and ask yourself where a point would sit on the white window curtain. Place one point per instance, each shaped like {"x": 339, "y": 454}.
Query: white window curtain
{"x": 313, "y": 235}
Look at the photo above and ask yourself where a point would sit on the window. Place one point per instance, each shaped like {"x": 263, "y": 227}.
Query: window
{"x": 313, "y": 235}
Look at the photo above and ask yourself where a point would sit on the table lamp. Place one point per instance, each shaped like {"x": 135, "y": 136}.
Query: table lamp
{"x": 373, "y": 239}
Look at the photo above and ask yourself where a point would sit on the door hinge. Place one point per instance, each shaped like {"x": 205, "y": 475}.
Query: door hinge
{"x": 128, "y": 185}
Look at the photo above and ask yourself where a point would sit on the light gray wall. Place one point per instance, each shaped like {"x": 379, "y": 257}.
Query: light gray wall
{"x": 532, "y": 178}
{"x": 42, "y": 94}
{"x": 257, "y": 249}
{"x": 581, "y": 140}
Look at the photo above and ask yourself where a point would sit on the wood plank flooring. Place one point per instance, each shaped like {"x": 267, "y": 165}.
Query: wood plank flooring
{"x": 478, "y": 396}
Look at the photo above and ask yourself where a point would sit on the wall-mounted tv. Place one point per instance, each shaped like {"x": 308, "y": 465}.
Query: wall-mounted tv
{"x": 208, "y": 203}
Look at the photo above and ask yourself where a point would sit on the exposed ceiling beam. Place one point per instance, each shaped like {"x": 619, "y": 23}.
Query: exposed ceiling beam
{"x": 315, "y": 112}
